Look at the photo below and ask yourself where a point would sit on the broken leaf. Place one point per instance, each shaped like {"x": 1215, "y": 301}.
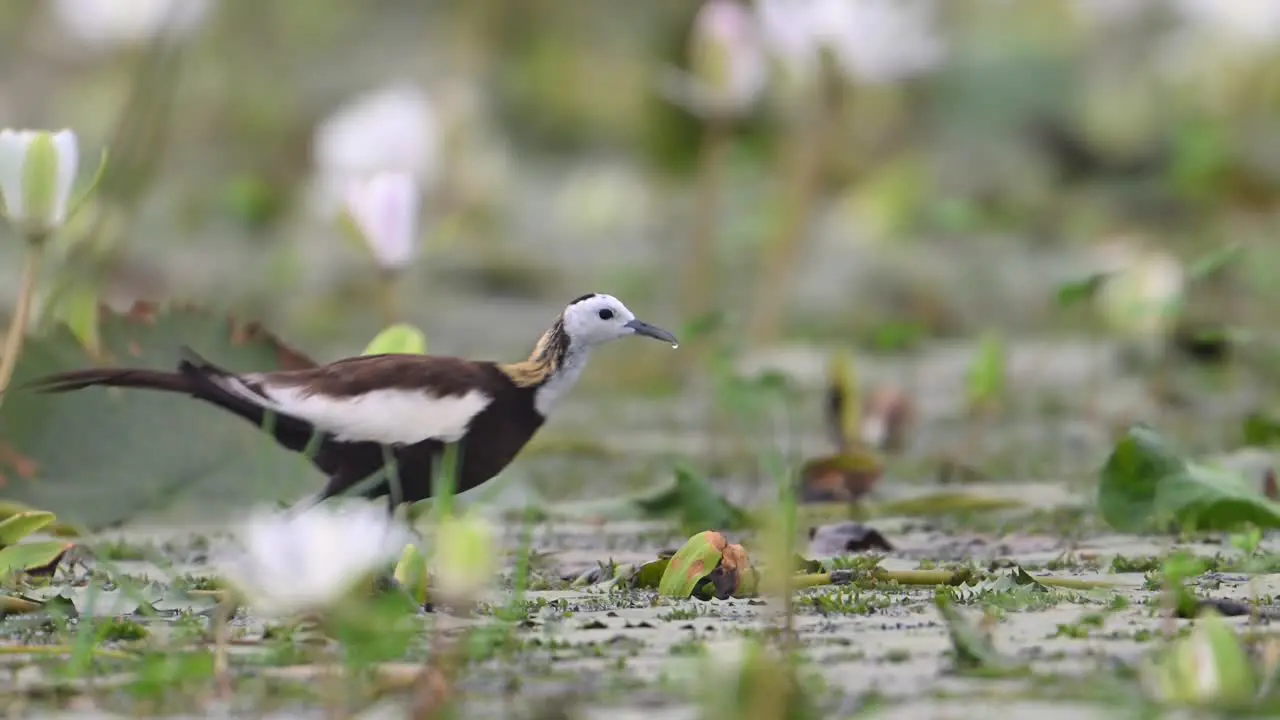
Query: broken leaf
{"x": 708, "y": 566}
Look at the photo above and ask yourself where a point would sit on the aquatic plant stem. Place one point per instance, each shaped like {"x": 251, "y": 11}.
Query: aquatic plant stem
{"x": 699, "y": 285}
{"x": 18, "y": 325}
{"x": 388, "y": 289}
{"x": 782, "y": 251}
{"x": 221, "y": 632}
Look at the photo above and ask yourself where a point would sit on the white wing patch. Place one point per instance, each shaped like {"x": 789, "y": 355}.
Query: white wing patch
{"x": 385, "y": 416}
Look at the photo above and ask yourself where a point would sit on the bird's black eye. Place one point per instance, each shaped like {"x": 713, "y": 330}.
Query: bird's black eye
{"x": 606, "y": 314}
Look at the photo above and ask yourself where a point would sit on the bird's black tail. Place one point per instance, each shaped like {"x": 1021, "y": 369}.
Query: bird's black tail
{"x": 111, "y": 377}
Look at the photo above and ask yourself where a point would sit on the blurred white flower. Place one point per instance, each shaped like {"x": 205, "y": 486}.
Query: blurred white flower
{"x": 305, "y": 562}
{"x": 1254, "y": 22}
{"x": 1142, "y": 295}
{"x": 728, "y": 68}
{"x": 872, "y": 41}
{"x": 879, "y": 41}
{"x": 384, "y": 209}
{"x": 463, "y": 557}
{"x": 395, "y": 128}
{"x": 790, "y": 36}
{"x": 37, "y": 169}
{"x": 122, "y": 22}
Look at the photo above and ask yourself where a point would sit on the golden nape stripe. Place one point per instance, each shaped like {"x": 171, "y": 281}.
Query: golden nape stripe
{"x": 542, "y": 362}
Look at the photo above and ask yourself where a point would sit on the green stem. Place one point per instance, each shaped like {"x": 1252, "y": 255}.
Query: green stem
{"x": 699, "y": 285}
{"x": 782, "y": 251}
{"x": 389, "y": 297}
{"x": 18, "y": 325}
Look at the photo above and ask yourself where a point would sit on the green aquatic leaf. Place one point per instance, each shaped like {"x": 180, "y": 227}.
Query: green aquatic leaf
{"x": 98, "y": 457}
{"x": 15, "y": 527}
{"x": 398, "y": 338}
{"x": 1146, "y": 485}
{"x": 693, "y": 504}
{"x": 28, "y": 556}
{"x": 691, "y": 564}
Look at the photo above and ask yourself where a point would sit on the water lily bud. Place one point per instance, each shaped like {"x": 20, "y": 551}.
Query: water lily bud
{"x": 463, "y": 560}
{"x": 384, "y": 209}
{"x": 37, "y": 169}
{"x": 728, "y": 67}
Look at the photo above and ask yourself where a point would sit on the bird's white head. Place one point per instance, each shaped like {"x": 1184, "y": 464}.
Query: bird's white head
{"x": 597, "y": 318}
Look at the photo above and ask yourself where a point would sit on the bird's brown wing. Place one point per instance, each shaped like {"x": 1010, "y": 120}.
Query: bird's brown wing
{"x": 439, "y": 375}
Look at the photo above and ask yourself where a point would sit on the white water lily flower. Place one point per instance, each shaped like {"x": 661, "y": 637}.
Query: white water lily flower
{"x": 1253, "y": 22}
{"x": 37, "y": 170}
{"x": 728, "y": 67}
{"x": 392, "y": 129}
{"x": 384, "y": 209}
{"x": 463, "y": 557}
{"x": 879, "y": 41}
{"x": 115, "y": 22}
{"x": 307, "y": 562}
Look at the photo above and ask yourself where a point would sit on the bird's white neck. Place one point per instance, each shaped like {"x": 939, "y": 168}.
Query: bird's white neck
{"x": 561, "y": 380}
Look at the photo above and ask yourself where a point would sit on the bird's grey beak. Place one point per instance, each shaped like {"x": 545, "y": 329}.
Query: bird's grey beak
{"x": 640, "y": 327}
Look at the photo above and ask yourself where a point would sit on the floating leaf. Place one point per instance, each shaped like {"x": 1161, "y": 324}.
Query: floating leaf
{"x": 1145, "y": 484}
{"x": 693, "y": 504}
{"x": 399, "y": 338}
{"x": 18, "y": 526}
{"x": 55, "y": 528}
{"x": 28, "y": 556}
{"x": 14, "y": 605}
{"x": 102, "y": 456}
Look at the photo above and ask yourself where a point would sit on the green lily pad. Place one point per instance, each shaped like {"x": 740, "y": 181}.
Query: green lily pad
{"x": 1146, "y": 485}
{"x": 27, "y": 556}
{"x": 16, "y": 527}
{"x": 101, "y": 456}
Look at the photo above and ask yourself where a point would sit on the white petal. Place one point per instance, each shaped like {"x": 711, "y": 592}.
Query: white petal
{"x": 385, "y": 209}
{"x": 13, "y": 151}
{"x": 64, "y": 141}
